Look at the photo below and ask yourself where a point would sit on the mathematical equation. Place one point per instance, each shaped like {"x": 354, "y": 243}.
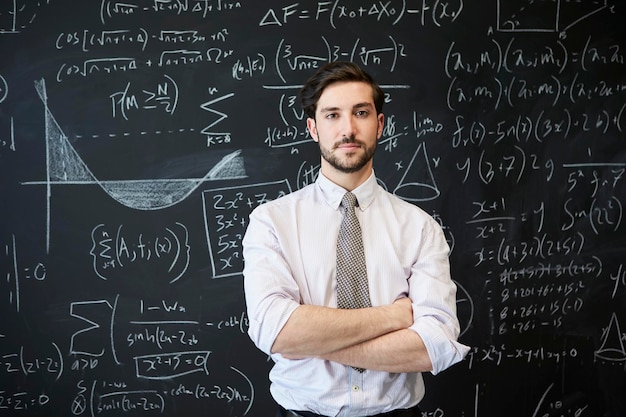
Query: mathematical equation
{"x": 18, "y": 273}
{"x": 115, "y": 251}
{"x": 159, "y": 338}
{"x": 507, "y": 74}
{"x": 101, "y": 397}
{"x": 286, "y": 59}
{"x": 503, "y": 121}
{"x": 28, "y": 363}
{"x": 498, "y": 354}
{"x": 226, "y": 218}
{"x": 388, "y": 12}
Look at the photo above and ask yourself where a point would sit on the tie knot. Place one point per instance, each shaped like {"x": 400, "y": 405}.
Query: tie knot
{"x": 349, "y": 201}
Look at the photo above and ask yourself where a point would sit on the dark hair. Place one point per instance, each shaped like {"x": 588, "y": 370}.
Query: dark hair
{"x": 334, "y": 72}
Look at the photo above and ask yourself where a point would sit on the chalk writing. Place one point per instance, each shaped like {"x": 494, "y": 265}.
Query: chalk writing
{"x": 226, "y": 212}
{"x": 114, "y": 250}
{"x": 30, "y": 363}
{"x": 136, "y": 138}
{"x": 19, "y": 272}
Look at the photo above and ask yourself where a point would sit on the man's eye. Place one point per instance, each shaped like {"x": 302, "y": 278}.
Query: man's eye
{"x": 331, "y": 115}
{"x": 362, "y": 113}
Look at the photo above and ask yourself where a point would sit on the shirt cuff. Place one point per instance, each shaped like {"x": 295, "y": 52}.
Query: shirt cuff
{"x": 443, "y": 350}
{"x": 264, "y": 332}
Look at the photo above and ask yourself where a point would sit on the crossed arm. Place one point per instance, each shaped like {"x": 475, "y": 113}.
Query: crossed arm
{"x": 374, "y": 338}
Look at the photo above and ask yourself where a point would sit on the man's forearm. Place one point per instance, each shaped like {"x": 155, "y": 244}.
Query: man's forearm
{"x": 315, "y": 330}
{"x": 399, "y": 351}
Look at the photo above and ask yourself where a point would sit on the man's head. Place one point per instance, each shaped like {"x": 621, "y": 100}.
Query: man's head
{"x": 344, "y": 105}
{"x": 334, "y": 72}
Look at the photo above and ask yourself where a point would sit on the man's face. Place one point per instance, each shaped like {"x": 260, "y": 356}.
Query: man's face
{"x": 346, "y": 126}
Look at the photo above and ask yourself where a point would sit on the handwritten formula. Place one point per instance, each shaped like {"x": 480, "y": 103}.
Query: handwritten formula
{"x": 137, "y": 136}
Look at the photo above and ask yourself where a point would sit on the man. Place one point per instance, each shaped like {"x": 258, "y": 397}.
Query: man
{"x": 332, "y": 361}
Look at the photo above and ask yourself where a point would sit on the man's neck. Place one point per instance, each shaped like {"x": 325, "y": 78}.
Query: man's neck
{"x": 347, "y": 180}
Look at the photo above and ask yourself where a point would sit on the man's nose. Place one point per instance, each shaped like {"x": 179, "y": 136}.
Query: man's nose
{"x": 349, "y": 127}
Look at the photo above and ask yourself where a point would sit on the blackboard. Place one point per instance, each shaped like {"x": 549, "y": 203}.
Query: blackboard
{"x": 136, "y": 136}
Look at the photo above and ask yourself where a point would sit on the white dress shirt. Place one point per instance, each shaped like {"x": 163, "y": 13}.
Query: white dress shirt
{"x": 289, "y": 252}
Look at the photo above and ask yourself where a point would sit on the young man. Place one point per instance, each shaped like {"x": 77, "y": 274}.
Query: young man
{"x": 341, "y": 361}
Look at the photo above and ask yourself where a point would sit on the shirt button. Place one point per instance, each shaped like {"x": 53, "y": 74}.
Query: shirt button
{"x": 355, "y": 388}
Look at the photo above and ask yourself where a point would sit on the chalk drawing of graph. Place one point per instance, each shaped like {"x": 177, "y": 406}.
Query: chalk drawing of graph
{"x": 545, "y": 15}
{"x": 65, "y": 167}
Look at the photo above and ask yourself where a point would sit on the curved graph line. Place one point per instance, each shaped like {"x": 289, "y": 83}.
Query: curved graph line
{"x": 64, "y": 165}
{"x": 158, "y": 194}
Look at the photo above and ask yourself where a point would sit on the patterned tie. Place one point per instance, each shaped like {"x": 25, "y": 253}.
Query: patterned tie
{"x": 352, "y": 286}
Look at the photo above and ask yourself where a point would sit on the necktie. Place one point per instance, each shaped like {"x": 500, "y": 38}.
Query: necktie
{"x": 352, "y": 286}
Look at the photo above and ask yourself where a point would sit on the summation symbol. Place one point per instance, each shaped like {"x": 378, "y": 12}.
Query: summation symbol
{"x": 215, "y": 137}
{"x": 207, "y": 106}
{"x": 90, "y": 340}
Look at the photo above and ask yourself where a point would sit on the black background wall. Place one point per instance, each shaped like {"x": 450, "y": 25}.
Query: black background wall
{"x": 136, "y": 136}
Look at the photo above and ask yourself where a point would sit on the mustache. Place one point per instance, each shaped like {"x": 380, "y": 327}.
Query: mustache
{"x": 347, "y": 139}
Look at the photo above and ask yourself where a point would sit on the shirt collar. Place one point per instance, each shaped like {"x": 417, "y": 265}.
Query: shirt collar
{"x": 333, "y": 193}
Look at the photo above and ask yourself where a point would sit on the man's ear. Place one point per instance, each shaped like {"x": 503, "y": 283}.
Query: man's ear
{"x": 381, "y": 124}
{"x": 310, "y": 124}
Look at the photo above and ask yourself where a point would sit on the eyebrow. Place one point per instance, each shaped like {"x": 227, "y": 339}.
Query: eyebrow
{"x": 362, "y": 105}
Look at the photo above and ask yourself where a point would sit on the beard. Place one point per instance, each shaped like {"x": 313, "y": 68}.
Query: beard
{"x": 347, "y": 166}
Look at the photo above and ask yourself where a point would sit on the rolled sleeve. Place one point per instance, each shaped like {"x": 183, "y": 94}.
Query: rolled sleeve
{"x": 434, "y": 301}
{"x": 271, "y": 294}
{"x": 443, "y": 350}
